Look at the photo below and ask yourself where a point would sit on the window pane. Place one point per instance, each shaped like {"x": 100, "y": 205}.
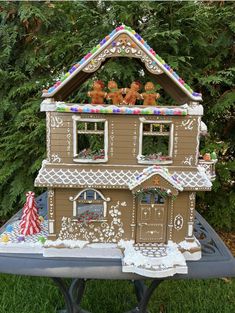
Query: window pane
{"x": 81, "y": 125}
{"x": 146, "y": 198}
{"x": 154, "y": 147}
{"x": 90, "y": 195}
{"x": 165, "y": 127}
{"x": 156, "y": 127}
{"x": 87, "y": 212}
{"x": 100, "y": 126}
{"x": 146, "y": 127}
{"x": 90, "y": 146}
{"x": 90, "y": 126}
{"x": 158, "y": 199}
{"x": 98, "y": 197}
{"x": 81, "y": 197}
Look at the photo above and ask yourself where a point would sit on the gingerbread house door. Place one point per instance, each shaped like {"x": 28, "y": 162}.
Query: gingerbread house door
{"x": 151, "y": 218}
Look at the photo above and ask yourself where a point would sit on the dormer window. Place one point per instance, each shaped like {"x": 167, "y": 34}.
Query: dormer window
{"x": 90, "y": 140}
{"x": 89, "y": 205}
{"x": 155, "y": 142}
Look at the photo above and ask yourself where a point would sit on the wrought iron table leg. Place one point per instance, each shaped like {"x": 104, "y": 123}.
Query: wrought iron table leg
{"x": 64, "y": 290}
{"x": 72, "y": 295}
{"x": 143, "y": 294}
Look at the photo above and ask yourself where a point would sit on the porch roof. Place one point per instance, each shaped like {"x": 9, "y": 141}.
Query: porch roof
{"x": 151, "y": 171}
{"x": 63, "y": 176}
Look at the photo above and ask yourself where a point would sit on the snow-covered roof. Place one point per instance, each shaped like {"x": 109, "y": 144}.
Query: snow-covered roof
{"x": 83, "y": 69}
{"x": 70, "y": 177}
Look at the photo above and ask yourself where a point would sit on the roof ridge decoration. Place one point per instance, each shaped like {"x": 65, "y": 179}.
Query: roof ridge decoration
{"x": 154, "y": 63}
{"x": 153, "y": 170}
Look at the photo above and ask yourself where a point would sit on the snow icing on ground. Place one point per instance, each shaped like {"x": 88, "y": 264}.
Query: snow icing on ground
{"x": 31, "y": 240}
{"x": 66, "y": 243}
{"x": 152, "y": 260}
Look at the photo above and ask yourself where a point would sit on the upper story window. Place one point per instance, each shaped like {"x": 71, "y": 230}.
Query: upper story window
{"x": 90, "y": 205}
{"x": 90, "y": 140}
{"x": 155, "y": 142}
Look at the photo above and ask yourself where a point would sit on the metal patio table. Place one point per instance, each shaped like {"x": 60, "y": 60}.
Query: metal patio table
{"x": 217, "y": 261}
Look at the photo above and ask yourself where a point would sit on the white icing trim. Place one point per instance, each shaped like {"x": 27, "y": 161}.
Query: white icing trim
{"x": 51, "y": 226}
{"x": 203, "y": 128}
{"x": 47, "y": 107}
{"x": 194, "y": 109}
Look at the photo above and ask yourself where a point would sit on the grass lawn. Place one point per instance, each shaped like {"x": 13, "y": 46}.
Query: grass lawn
{"x": 21, "y": 294}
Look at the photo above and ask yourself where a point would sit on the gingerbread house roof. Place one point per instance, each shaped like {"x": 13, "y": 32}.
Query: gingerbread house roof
{"x": 155, "y": 170}
{"x": 52, "y": 175}
{"x": 114, "y": 45}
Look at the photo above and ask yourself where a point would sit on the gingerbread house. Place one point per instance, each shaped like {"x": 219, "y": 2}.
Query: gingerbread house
{"x": 137, "y": 188}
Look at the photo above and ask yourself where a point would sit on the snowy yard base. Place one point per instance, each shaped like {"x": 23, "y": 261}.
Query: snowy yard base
{"x": 145, "y": 259}
{"x": 31, "y": 243}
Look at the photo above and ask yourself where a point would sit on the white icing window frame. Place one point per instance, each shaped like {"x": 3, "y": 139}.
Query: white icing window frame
{"x": 170, "y": 149}
{"x": 105, "y": 200}
{"x": 75, "y": 133}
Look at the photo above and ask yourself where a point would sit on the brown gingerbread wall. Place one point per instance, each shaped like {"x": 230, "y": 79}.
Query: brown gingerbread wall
{"x": 122, "y": 207}
{"x": 123, "y": 138}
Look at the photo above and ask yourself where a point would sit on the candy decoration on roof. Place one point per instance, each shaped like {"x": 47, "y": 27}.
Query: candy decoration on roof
{"x": 30, "y": 222}
{"x": 113, "y": 109}
{"x": 142, "y": 42}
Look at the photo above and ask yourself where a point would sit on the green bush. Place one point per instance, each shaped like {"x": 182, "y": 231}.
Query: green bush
{"x": 40, "y": 40}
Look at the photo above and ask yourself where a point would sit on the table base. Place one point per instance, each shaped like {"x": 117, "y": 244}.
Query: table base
{"x": 73, "y": 294}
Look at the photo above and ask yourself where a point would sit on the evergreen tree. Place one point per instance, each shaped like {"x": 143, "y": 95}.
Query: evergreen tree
{"x": 30, "y": 223}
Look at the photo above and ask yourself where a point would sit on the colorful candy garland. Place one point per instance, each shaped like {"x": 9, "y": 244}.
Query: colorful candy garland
{"x": 154, "y": 169}
{"x": 123, "y": 27}
{"x": 111, "y": 109}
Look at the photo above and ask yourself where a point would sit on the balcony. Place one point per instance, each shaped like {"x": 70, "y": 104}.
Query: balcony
{"x": 209, "y": 166}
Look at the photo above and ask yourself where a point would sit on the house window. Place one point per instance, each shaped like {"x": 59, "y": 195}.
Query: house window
{"x": 155, "y": 144}
{"x": 152, "y": 198}
{"x": 90, "y": 205}
{"x": 90, "y": 140}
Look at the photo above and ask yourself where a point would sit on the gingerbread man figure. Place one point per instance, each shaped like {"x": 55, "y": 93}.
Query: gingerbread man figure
{"x": 97, "y": 95}
{"x": 150, "y": 95}
{"x": 115, "y": 94}
{"x": 132, "y": 93}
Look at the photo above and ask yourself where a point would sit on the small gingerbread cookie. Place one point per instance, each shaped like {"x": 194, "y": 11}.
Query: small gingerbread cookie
{"x": 115, "y": 94}
{"x": 132, "y": 93}
{"x": 150, "y": 95}
{"x": 97, "y": 95}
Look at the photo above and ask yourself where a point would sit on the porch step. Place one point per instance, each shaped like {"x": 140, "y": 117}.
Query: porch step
{"x": 153, "y": 260}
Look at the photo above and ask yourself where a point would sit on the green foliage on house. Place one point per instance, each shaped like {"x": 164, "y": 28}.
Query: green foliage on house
{"x": 40, "y": 40}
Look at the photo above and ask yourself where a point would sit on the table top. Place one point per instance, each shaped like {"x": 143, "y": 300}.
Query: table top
{"x": 217, "y": 260}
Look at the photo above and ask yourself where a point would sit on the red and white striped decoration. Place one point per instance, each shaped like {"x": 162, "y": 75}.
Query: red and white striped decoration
{"x": 30, "y": 223}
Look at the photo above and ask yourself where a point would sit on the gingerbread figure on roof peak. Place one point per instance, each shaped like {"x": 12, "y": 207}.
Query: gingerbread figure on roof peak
{"x": 121, "y": 173}
{"x": 97, "y": 94}
{"x": 115, "y": 94}
{"x": 150, "y": 95}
